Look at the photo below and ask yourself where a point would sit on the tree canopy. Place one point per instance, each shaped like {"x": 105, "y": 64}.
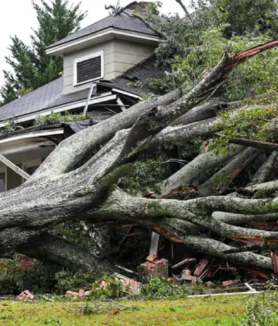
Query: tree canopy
{"x": 30, "y": 66}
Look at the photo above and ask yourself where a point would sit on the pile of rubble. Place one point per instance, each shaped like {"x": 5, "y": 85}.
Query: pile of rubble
{"x": 193, "y": 272}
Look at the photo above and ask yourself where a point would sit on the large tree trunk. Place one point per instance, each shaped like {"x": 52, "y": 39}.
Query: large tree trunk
{"x": 77, "y": 182}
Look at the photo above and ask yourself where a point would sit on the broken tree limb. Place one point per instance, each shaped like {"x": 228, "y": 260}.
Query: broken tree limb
{"x": 189, "y": 174}
{"x": 256, "y": 144}
{"x": 259, "y": 248}
{"x": 184, "y": 9}
{"x": 264, "y": 171}
{"x": 151, "y": 26}
{"x": 231, "y": 218}
{"x": 218, "y": 181}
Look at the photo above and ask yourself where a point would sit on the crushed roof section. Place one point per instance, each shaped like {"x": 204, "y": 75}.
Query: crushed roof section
{"x": 51, "y": 95}
{"x": 124, "y": 21}
{"x": 141, "y": 72}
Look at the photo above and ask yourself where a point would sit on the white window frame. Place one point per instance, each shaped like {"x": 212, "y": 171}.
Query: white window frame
{"x": 87, "y": 57}
{"x": 3, "y": 169}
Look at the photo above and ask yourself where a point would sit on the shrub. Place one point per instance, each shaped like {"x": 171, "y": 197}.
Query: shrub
{"x": 14, "y": 279}
{"x": 160, "y": 288}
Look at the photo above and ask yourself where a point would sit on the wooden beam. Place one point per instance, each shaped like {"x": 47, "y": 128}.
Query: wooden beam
{"x": 154, "y": 244}
{"x": 13, "y": 167}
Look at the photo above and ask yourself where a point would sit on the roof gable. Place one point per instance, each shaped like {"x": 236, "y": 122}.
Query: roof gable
{"x": 125, "y": 21}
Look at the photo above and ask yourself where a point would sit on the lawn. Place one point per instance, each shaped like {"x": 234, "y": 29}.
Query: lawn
{"x": 223, "y": 310}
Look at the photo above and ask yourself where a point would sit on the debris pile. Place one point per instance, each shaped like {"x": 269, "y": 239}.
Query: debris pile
{"x": 26, "y": 296}
{"x": 128, "y": 285}
{"x": 155, "y": 267}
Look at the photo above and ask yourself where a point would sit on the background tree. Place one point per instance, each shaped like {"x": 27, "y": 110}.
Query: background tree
{"x": 31, "y": 67}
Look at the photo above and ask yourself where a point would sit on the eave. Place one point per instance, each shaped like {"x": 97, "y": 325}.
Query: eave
{"x": 100, "y": 37}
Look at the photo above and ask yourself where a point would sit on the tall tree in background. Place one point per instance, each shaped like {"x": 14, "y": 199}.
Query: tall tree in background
{"x": 32, "y": 68}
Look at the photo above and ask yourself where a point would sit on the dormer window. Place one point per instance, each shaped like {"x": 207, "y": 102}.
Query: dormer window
{"x": 88, "y": 68}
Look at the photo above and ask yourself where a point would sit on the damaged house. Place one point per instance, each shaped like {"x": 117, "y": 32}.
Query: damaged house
{"x": 100, "y": 63}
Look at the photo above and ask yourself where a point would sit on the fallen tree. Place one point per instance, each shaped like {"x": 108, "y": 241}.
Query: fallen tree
{"x": 81, "y": 180}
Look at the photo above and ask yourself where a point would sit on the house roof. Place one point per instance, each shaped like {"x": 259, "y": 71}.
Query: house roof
{"x": 125, "y": 21}
{"x": 51, "y": 95}
{"x": 141, "y": 72}
{"x": 35, "y": 101}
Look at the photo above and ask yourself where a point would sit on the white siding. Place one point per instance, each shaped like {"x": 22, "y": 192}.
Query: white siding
{"x": 119, "y": 56}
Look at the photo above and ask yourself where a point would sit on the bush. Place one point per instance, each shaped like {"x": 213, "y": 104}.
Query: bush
{"x": 67, "y": 280}
{"x": 14, "y": 279}
{"x": 160, "y": 288}
{"x": 261, "y": 311}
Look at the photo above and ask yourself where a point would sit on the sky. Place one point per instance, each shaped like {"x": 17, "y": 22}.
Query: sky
{"x": 17, "y": 17}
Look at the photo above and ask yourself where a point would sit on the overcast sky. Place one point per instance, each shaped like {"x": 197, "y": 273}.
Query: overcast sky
{"x": 17, "y": 17}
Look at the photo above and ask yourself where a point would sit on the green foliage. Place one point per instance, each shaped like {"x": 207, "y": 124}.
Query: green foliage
{"x": 248, "y": 123}
{"x": 11, "y": 126}
{"x": 261, "y": 311}
{"x": 157, "y": 86}
{"x": 194, "y": 47}
{"x": 59, "y": 118}
{"x": 160, "y": 288}
{"x": 245, "y": 16}
{"x": 67, "y": 280}
{"x": 144, "y": 175}
{"x": 256, "y": 76}
{"x": 32, "y": 67}
{"x": 14, "y": 279}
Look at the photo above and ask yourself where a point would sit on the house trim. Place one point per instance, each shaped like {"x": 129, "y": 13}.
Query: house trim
{"x": 33, "y": 134}
{"x": 126, "y": 93}
{"x": 84, "y": 58}
{"x": 100, "y": 37}
{"x": 66, "y": 107}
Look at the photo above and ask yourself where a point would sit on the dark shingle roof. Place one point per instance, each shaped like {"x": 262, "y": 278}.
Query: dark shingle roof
{"x": 51, "y": 95}
{"x": 124, "y": 21}
{"x": 35, "y": 101}
{"x": 141, "y": 72}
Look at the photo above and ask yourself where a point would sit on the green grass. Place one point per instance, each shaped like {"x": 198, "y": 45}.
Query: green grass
{"x": 188, "y": 312}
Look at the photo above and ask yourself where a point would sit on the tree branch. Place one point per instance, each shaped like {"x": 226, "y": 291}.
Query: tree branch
{"x": 62, "y": 252}
{"x": 149, "y": 25}
{"x": 256, "y": 144}
{"x": 184, "y": 9}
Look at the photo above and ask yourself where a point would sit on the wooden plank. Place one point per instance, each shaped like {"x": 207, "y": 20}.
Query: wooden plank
{"x": 154, "y": 244}
{"x": 121, "y": 104}
{"x": 91, "y": 92}
{"x": 183, "y": 262}
{"x": 13, "y": 167}
{"x": 201, "y": 267}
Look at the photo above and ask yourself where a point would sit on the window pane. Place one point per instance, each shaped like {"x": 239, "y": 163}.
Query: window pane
{"x": 32, "y": 169}
{"x": 2, "y": 182}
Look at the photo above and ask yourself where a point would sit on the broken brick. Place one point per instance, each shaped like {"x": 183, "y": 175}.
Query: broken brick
{"x": 152, "y": 258}
{"x": 227, "y": 283}
{"x": 158, "y": 268}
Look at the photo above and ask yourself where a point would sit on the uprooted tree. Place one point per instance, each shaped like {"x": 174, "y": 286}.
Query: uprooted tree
{"x": 78, "y": 180}
{"x": 209, "y": 158}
